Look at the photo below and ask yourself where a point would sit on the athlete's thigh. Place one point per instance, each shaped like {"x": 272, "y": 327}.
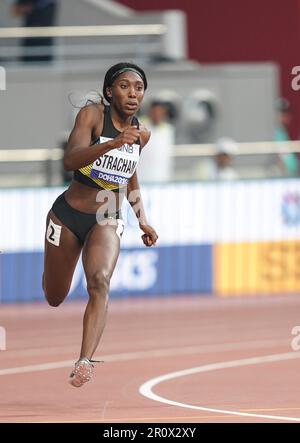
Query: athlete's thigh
{"x": 101, "y": 249}
{"x": 62, "y": 250}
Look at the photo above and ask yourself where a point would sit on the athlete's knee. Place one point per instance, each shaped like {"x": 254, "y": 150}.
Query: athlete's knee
{"x": 54, "y": 298}
{"x": 98, "y": 284}
{"x": 53, "y": 302}
{"x": 54, "y": 293}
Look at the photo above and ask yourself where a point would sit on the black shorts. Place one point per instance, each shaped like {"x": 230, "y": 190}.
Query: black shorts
{"x": 80, "y": 223}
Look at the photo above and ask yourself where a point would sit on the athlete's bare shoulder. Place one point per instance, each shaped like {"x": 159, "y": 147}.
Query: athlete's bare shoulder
{"x": 145, "y": 135}
{"x": 87, "y": 121}
{"x": 91, "y": 114}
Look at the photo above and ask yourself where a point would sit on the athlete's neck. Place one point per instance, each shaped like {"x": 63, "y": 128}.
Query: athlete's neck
{"x": 120, "y": 120}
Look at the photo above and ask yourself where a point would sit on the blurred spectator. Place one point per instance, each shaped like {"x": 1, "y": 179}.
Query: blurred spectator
{"x": 220, "y": 167}
{"x": 288, "y": 163}
{"x": 157, "y": 163}
{"x": 36, "y": 13}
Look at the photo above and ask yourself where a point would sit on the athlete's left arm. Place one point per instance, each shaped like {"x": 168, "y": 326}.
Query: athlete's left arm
{"x": 135, "y": 199}
{"x": 144, "y": 136}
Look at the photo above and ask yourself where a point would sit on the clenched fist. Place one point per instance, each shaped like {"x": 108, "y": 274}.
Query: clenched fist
{"x": 129, "y": 136}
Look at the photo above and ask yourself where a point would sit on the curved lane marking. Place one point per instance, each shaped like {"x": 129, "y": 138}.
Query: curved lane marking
{"x": 147, "y": 388}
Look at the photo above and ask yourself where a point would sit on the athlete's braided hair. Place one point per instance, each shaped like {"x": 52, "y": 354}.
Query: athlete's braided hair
{"x": 118, "y": 69}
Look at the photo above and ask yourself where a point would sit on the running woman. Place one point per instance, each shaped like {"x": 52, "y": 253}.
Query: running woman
{"x": 103, "y": 151}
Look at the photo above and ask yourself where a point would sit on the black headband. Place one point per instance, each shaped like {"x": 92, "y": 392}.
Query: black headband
{"x": 120, "y": 71}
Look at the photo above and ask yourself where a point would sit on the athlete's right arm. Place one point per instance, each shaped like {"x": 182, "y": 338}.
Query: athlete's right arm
{"x": 79, "y": 152}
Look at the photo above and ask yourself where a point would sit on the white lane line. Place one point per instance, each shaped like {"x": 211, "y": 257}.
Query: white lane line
{"x": 146, "y": 388}
{"x": 209, "y": 347}
{"x": 153, "y": 353}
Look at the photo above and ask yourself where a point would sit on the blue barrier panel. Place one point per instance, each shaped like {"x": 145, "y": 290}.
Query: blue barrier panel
{"x": 140, "y": 272}
{"x": 21, "y": 276}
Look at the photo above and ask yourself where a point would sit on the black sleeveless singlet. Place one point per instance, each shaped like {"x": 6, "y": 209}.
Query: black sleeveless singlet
{"x": 112, "y": 170}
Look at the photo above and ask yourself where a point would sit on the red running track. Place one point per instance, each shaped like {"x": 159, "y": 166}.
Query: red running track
{"x": 247, "y": 369}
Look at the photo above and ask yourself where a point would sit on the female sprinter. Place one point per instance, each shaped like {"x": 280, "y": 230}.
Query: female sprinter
{"x": 103, "y": 151}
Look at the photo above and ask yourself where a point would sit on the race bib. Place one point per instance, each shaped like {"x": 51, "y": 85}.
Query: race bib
{"x": 117, "y": 166}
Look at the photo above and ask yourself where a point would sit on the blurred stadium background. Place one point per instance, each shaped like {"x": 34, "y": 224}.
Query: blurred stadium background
{"x": 225, "y": 70}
